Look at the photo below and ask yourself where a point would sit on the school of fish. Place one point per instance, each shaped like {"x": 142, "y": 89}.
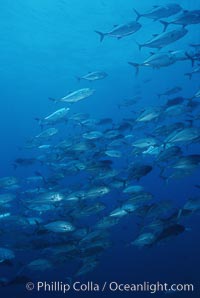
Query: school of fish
{"x": 63, "y": 212}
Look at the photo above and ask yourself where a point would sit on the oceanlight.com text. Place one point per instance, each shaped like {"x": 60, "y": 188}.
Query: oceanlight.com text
{"x": 112, "y": 286}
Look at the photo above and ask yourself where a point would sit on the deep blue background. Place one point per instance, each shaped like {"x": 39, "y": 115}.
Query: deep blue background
{"x": 44, "y": 45}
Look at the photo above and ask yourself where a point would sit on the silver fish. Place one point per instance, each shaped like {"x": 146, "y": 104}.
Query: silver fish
{"x": 156, "y": 60}
{"x": 39, "y": 265}
{"x": 76, "y": 95}
{"x": 121, "y": 30}
{"x": 160, "y": 11}
{"x": 56, "y": 117}
{"x": 161, "y": 40}
{"x": 144, "y": 143}
{"x": 59, "y": 226}
{"x": 184, "y": 135}
{"x": 6, "y": 254}
{"x": 148, "y": 115}
{"x": 47, "y": 133}
{"x": 185, "y": 18}
{"x": 171, "y": 91}
{"x": 93, "y": 76}
{"x": 144, "y": 239}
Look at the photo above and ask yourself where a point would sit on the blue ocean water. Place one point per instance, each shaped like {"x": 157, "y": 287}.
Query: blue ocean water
{"x": 45, "y": 45}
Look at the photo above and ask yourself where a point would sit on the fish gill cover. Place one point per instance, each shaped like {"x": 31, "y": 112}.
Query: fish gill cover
{"x": 100, "y": 136}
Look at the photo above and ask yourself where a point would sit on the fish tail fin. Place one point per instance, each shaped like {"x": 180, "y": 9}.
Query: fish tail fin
{"x": 7, "y": 263}
{"x": 124, "y": 181}
{"x": 190, "y": 121}
{"x": 53, "y": 99}
{"x": 37, "y": 173}
{"x": 39, "y": 229}
{"x": 194, "y": 45}
{"x": 162, "y": 170}
{"x": 159, "y": 95}
{"x": 136, "y": 65}
{"x": 39, "y": 120}
{"x": 190, "y": 101}
{"x": 138, "y": 15}
{"x": 190, "y": 58}
{"x": 78, "y": 79}
{"x": 139, "y": 45}
{"x": 165, "y": 24}
{"x": 164, "y": 178}
{"x": 165, "y": 145}
{"x": 102, "y": 35}
{"x": 179, "y": 213}
{"x": 189, "y": 75}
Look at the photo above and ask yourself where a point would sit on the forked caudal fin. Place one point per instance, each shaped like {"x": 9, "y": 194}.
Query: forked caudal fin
{"x": 136, "y": 65}
{"x": 139, "y": 45}
{"x": 190, "y": 58}
{"x": 40, "y": 122}
{"x": 78, "y": 78}
{"x": 165, "y": 24}
{"x": 138, "y": 14}
{"x": 189, "y": 75}
{"x": 53, "y": 99}
{"x": 102, "y": 35}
